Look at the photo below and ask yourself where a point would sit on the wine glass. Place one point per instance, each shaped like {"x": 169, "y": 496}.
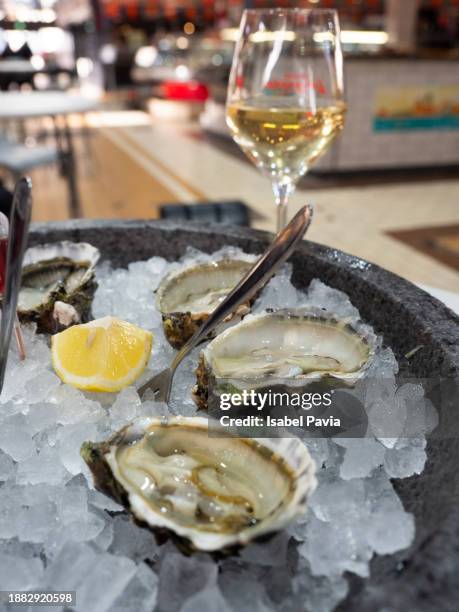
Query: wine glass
{"x": 285, "y": 101}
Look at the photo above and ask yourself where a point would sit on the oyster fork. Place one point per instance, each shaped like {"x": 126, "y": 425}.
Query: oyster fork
{"x": 17, "y": 239}
{"x": 275, "y": 255}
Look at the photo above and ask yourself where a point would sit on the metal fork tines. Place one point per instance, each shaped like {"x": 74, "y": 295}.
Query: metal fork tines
{"x": 275, "y": 255}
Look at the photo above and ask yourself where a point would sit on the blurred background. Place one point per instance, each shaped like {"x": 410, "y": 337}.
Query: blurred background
{"x": 116, "y": 110}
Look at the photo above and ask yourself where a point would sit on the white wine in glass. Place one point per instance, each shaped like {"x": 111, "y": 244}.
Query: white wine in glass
{"x": 285, "y": 101}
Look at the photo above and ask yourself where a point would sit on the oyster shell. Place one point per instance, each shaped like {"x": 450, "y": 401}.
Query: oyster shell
{"x": 186, "y": 297}
{"x": 58, "y": 284}
{"x": 211, "y": 493}
{"x": 284, "y": 347}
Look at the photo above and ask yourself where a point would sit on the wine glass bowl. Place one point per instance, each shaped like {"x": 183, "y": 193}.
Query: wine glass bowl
{"x": 285, "y": 103}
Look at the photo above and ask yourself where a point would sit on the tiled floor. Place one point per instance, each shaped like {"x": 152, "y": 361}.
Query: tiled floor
{"x": 136, "y": 165}
{"x": 442, "y": 243}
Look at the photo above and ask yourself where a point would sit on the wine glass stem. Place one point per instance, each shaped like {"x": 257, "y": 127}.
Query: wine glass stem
{"x": 282, "y": 194}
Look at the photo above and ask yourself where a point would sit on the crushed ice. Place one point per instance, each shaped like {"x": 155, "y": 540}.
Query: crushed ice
{"x": 57, "y": 532}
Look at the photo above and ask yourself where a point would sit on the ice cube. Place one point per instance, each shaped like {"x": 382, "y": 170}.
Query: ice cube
{"x": 18, "y": 373}
{"x": 36, "y": 522}
{"x": 98, "y": 578}
{"x": 300, "y": 528}
{"x": 7, "y": 467}
{"x": 151, "y": 408}
{"x": 140, "y": 594}
{"x": 193, "y": 574}
{"x": 242, "y": 588}
{"x": 41, "y": 416}
{"x": 317, "y": 593}
{"x": 83, "y": 528}
{"x": 14, "y": 438}
{"x": 407, "y": 458}
{"x": 70, "y": 439}
{"x": 41, "y": 387}
{"x": 362, "y": 456}
{"x": 318, "y": 449}
{"x": 336, "y": 500}
{"x": 333, "y": 300}
{"x": 387, "y": 413}
{"x": 20, "y": 574}
{"x": 42, "y": 467}
{"x": 104, "y": 540}
{"x": 422, "y": 417}
{"x": 74, "y": 407}
{"x": 132, "y": 541}
{"x": 333, "y": 548}
{"x": 23, "y": 550}
{"x": 103, "y": 502}
{"x": 207, "y": 600}
{"x": 278, "y": 293}
{"x": 72, "y": 502}
{"x": 129, "y": 294}
{"x": 181, "y": 402}
{"x": 270, "y": 553}
{"x": 386, "y": 509}
{"x": 125, "y": 408}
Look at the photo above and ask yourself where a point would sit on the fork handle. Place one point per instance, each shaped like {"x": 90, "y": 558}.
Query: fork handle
{"x": 276, "y": 254}
{"x": 19, "y": 229}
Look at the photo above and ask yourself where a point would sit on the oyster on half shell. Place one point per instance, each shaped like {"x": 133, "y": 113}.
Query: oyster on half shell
{"x": 58, "y": 284}
{"x": 284, "y": 347}
{"x": 186, "y": 297}
{"x": 210, "y": 493}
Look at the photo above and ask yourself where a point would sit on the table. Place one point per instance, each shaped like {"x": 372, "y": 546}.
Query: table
{"x": 354, "y": 218}
{"x": 449, "y": 298}
{"x": 21, "y": 106}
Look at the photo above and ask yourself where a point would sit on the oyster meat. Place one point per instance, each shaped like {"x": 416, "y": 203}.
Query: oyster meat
{"x": 290, "y": 347}
{"x": 210, "y": 492}
{"x": 58, "y": 284}
{"x": 186, "y": 297}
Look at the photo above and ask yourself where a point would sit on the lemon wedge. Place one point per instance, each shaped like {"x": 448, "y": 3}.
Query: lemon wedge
{"x": 104, "y": 355}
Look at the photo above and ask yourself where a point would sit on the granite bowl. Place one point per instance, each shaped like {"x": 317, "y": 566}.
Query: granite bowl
{"x": 425, "y": 576}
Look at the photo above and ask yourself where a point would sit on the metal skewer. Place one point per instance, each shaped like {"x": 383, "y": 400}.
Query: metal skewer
{"x": 17, "y": 239}
{"x": 19, "y": 339}
{"x": 4, "y": 232}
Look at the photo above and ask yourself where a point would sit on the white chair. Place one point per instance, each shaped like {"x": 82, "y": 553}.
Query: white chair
{"x": 18, "y": 159}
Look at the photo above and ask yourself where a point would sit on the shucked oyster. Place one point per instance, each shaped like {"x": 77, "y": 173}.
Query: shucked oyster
{"x": 58, "y": 284}
{"x": 284, "y": 347}
{"x": 210, "y": 492}
{"x": 186, "y": 297}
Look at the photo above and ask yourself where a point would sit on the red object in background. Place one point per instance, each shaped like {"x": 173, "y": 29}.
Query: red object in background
{"x": 150, "y": 8}
{"x": 169, "y": 10}
{"x": 191, "y": 91}
{"x": 209, "y": 12}
{"x": 191, "y": 12}
{"x": 111, "y": 10}
{"x": 132, "y": 10}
